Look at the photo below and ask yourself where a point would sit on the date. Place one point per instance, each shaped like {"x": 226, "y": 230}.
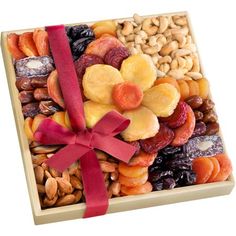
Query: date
{"x": 48, "y": 107}
{"x": 41, "y": 94}
{"x": 26, "y": 96}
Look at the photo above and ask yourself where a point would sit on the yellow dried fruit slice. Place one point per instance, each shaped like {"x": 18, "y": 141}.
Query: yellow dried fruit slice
{"x": 143, "y": 124}
{"x": 98, "y": 83}
{"x": 95, "y": 111}
{"x": 140, "y": 70}
{"x": 161, "y": 99}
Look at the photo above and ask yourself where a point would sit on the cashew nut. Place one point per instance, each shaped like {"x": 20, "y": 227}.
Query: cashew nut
{"x": 133, "y": 51}
{"x": 183, "y": 31}
{"x": 151, "y": 50}
{"x": 189, "y": 62}
{"x": 160, "y": 73}
{"x": 181, "y": 21}
{"x": 143, "y": 34}
{"x": 137, "y": 29}
{"x": 127, "y": 28}
{"x": 196, "y": 65}
{"x": 163, "y": 24}
{"x": 122, "y": 39}
{"x": 155, "y": 21}
{"x": 194, "y": 75}
{"x": 165, "y": 59}
{"x": 137, "y": 19}
{"x": 181, "y": 39}
{"x": 191, "y": 47}
{"x": 177, "y": 73}
{"x": 168, "y": 48}
{"x": 138, "y": 39}
{"x": 155, "y": 58}
{"x": 174, "y": 64}
{"x": 165, "y": 67}
{"x": 161, "y": 39}
{"x": 149, "y": 27}
{"x": 130, "y": 37}
{"x": 172, "y": 24}
{"x": 181, "y": 52}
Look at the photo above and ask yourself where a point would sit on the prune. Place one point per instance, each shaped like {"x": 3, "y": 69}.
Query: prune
{"x": 79, "y": 46}
{"x": 30, "y": 109}
{"x": 184, "y": 163}
{"x": 24, "y": 83}
{"x": 79, "y": 31}
{"x": 170, "y": 150}
{"x": 204, "y": 146}
{"x": 157, "y": 186}
{"x": 115, "y": 56}
{"x": 85, "y": 61}
{"x": 168, "y": 183}
{"x": 158, "y": 174}
{"x": 48, "y": 107}
{"x": 185, "y": 177}
{"x": 163, "y": 138}
{"x": 26, "y": 96}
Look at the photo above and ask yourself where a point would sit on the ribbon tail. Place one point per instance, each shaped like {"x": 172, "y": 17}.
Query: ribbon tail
{"x": 67, "y": 156}
{"x": 94, "y": 186}
{"x": 113, "y": 146}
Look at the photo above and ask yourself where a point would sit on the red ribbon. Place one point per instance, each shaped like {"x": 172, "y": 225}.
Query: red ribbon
{"x": 81, "y": 142}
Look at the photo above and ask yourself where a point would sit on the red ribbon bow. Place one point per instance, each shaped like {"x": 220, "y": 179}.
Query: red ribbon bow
{"x": 81, "y": 142}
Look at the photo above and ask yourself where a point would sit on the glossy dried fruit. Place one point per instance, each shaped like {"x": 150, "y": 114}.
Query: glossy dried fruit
{"x": 168, "y": 80}
{"x": 131, "y": 171}
{"x": 142, "y": 159}
{"x": 216, "y": 169}
{"x": 207, "y": 105}
{"x": 199, "y": 130}
{"x": 203, "y": 167}
{"x": 104, "y": 27}
{"x": 225, "y": 167}
{"x": 27, "y": 45}
{"x": 39, "y": 82}
{"x": 115, "y": 56}
{"x": 184, "y": 132}
{"x": 168, "y": 183}
{"x": 178, "y": 118}
{"x": 209, "y": 116}
{"x": 41, "y": 94}
{"x": 12, "y": 44}
{"x": 184, "y": 89}
{"x": 133, "y": 181}
{"x": 193, "y": 88}
{"x": 40, "y": 38}
{"x": 144, "y": 124}
{"x": 203, "y": 88}
{"x": 163, "y": 138}
{"x": 140, "y": 70}
{"x": 85, "y": 61}
{"x": 170, "y": 150}
{"x": 127, "y": 95}
{"x": 48, "y": 107}
{"x": 37, "y": 121}
{"x": 198, "y": 115}
{"x": 159, "y": 174}
{"x": 136, "y": 144}
{"x": 28, "y": 128}
{"x": 98, "y": 82}
{"x": 23, "y": 83}
{"x": 30, "y": 109}
{"x": 141, "y": 189}
{"x": 194, "y": 101}
{"x": 179, "y": 163}
{"x": 212, "y": 128}
{"x": 26, "y": 96}
{"x": 206, "y": 146}
{"x": 185, "y": 177}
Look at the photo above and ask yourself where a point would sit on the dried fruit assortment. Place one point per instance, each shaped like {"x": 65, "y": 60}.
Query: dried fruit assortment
{"x": 148, "y": 70}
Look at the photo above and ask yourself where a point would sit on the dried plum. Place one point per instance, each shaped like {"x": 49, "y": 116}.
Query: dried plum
{"x": 183, "y": 163}
{"x": 157, "y": 186}
{"x": 185, "y": 177}
{"x": 170, "y": 150}
{"x": 79, "y": 31}
{"x": 31, "y": 109}
{"x": 168, "y": 183}
{"x": 158, "y": 174}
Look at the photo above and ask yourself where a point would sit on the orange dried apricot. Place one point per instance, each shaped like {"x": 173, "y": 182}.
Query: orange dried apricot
{"x": 193, "y": 87}
{"x": 142, "y": 159}
{"x": 203, "y": 167}
{"x": 131, "y": 171}
{"x": 184, "y": 89}
{"x": 203, "y": 85}
{"x": 27, "y": 45}
{"x": 12, "y": 44}
{"x": 168, "y": 80}
{"x": 40, "y": 38}
{"x": 28, "y": 128}
{"x": 133, "y": 181}
{"x": 145, "y": 188}
{"x": 216, "y": 169}
{"x": 37, "y": 121}
{"x": 59, "y": 117}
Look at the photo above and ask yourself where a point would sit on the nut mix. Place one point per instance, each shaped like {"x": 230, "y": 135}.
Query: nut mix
{"x": 146, "y": 69}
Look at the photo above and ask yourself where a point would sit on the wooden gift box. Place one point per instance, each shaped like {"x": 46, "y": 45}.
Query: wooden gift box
{"x": 116, "y": 204}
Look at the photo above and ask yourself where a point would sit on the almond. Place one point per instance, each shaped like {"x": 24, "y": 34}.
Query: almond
{"x": 51, "y": 188}
{"x": 39, "y": 174}
{"x": 47, "y": 202}
{"x": 54, "y": 173}
{"x": 64, "y": 185}
{"x": 107, "y": 166}
{"x": 75, "y": 182}
{"x": 41, "y": 188}
{"x": 38, "y": 159}
{"x": 66, "y": 200}
{"x": 78, "y": 195}
{"x": 66, "y": 175}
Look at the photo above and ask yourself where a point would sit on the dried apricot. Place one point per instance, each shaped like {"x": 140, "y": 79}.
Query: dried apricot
{"x": 162, "y": 99}
{"x": 142, "y": 159}
{"x": 12, "y": 44}
{"x": 59, "y": 117}
{"x": 37, "y": 121}
{"x": 145, "y": 188}
{"x": 40, "y": 38}
{"x": 203, "y": 85}
{"x": 184, "y": 89}
{"x": 28, "y": 128}
{"x": 193, "y": 87}
{"x": 131, "y": 171}
{"x": 27, "y": 45}
{"x": 203, "y": 167}
{"x": 225, "y": 167}
{"x": 184, "y": 132}
{"x": 127, "y": 95}
{"x": 216, "y": 169}
{"x": 133, "y": 181}
{"x": 104, "y": 27}
{"x": 168, "y": 80}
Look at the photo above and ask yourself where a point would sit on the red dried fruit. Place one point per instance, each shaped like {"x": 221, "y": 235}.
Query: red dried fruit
{"x": 115, "y": 56}
{"x": 163, "y": 138}
{"x": 142, "y": 159}
{"x": 178, "y": 118}
{"x": 85, "y": 61}
{"x": 137, "y": 145}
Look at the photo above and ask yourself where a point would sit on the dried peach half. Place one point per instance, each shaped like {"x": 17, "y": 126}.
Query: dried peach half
{"x": 12, "y": 44}
{"x": 27, "y": 45}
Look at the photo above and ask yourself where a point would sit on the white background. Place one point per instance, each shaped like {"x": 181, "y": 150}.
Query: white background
{"x": 214, "y": 26}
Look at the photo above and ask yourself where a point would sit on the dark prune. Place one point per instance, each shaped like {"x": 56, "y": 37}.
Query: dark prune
{"x": 168, "y": 183}
{"x": 157, "y": 186}
{"x": 48, "y": 107}
{"x": 26, "y": 96}
{"x": 80, "y": 31}
{"x": 185, "y": 177}
{"x": 163, "y": 138}
{"x": 184, "y": 163}
{"x": 30, "y": 109}
{"x": 79, "y": 46}
{"x": 156, "y": 175}
{"x": 170, "y": 150}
